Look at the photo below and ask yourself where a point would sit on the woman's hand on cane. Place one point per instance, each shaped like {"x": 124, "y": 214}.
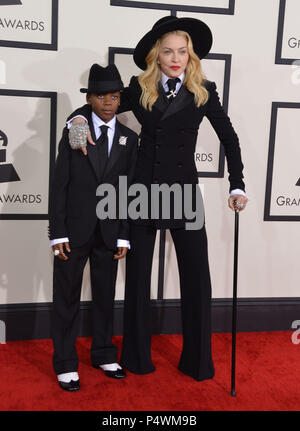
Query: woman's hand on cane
{"x": 237, "y": 202}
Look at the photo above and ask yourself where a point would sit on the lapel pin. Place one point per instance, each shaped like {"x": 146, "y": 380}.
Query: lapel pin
{"x": 122, "y": 140}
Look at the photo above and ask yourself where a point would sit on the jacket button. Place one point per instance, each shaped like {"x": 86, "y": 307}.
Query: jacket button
{"x": 157, "y": 145}
{"x": 179, "y": 164}
{"x": 181, "y": 146}
{"x": 157, "y": 163}
{"x": 181, "y": 130}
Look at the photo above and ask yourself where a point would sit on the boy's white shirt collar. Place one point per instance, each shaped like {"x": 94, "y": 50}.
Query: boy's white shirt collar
{"x": 98, "y": 122}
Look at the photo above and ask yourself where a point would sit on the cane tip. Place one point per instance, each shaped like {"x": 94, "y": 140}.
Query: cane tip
{"x": 233, "y": 393}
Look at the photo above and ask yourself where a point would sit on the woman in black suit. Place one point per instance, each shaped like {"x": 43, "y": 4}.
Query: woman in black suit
{"x": 170, "y": 99}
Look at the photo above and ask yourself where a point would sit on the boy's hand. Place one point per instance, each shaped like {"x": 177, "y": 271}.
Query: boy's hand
{"x": 122, "y": 251}
{"x": 60, "y": 248}
{"x": 77, "y": 135}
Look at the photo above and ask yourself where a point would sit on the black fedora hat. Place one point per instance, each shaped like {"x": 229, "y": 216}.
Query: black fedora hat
{"x": 103, "y": 80}
{"x": 200, "y": 34}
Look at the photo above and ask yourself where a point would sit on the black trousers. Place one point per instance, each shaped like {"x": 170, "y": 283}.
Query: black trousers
{"x": 195, "y": 287}
{"x": 67, "y": 281}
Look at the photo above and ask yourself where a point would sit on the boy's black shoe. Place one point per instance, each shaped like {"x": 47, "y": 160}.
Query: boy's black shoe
{"x": 116, "y": 374}
{"x": 73, "y": 385}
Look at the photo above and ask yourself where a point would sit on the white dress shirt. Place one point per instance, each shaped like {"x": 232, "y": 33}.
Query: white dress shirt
{"x": 97, "y": 123}
{"x": 164, "y": 79}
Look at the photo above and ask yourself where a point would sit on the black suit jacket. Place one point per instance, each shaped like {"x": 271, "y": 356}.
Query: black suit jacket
{"x": 73, "y": 200}
{"x": 168, "y": 138}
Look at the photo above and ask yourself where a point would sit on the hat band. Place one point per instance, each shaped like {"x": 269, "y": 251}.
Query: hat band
{"x": 102, "y": 86}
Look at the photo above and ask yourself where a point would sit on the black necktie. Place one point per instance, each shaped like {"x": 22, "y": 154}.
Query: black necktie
{"x": 103, "y": 140}
{"x": 171, "y": 94}
{"x": 102, "y": 144}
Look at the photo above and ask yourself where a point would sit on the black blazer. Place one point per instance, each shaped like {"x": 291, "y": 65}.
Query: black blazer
{"x": 73, "y": 200}
{"x": 169, "y": 135}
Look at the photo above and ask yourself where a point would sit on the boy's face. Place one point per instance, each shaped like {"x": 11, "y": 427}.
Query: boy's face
{"x": 104, "y": 105}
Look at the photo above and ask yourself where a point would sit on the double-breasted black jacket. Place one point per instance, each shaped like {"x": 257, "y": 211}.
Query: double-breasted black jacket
{"x": 168, "y": 139}
{"x": 73, "y": 200}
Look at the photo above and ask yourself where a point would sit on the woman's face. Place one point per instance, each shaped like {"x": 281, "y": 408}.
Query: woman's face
{"x": 173, "y": 55}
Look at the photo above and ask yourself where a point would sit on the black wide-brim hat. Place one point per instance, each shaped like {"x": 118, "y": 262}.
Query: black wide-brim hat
{"x": 103, "y": 80}
{"x": 199, "y": 32}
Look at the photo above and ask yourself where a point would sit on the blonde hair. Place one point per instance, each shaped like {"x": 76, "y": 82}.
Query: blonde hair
{"x": 193, "y": 80}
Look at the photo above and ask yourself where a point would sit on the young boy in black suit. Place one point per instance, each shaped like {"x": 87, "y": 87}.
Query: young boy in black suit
{"x": 77, "y": 234}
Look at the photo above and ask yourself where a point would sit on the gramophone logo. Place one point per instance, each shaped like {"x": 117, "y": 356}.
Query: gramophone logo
{"x": 7, "y": 171}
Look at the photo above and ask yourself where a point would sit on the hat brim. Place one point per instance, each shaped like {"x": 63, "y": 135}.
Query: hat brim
{"x": 99, "y": 87}
{"x": 199, "y": 32}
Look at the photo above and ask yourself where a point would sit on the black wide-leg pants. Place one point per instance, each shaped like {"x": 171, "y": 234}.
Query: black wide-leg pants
{"x": 195, "y": 287}
{"x": 67, "y": 281}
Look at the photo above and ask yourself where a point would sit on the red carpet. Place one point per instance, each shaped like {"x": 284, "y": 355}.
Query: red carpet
{"x": 267, "y": 378}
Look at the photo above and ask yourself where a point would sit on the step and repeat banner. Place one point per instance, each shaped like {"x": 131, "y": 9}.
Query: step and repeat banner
{"x": 47, "y": 49}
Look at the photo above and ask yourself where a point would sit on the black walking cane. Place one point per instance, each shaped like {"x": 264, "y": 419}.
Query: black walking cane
{"x": 234, "y": 301}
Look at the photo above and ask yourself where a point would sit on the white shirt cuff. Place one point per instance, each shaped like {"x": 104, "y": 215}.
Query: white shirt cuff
{"x": 238, "y": 192}
{"x": 120, "y": 242}
{"x": 123, "y": 243}
{"x": 69, "y": 123}
{"x": 58, "y": 241}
